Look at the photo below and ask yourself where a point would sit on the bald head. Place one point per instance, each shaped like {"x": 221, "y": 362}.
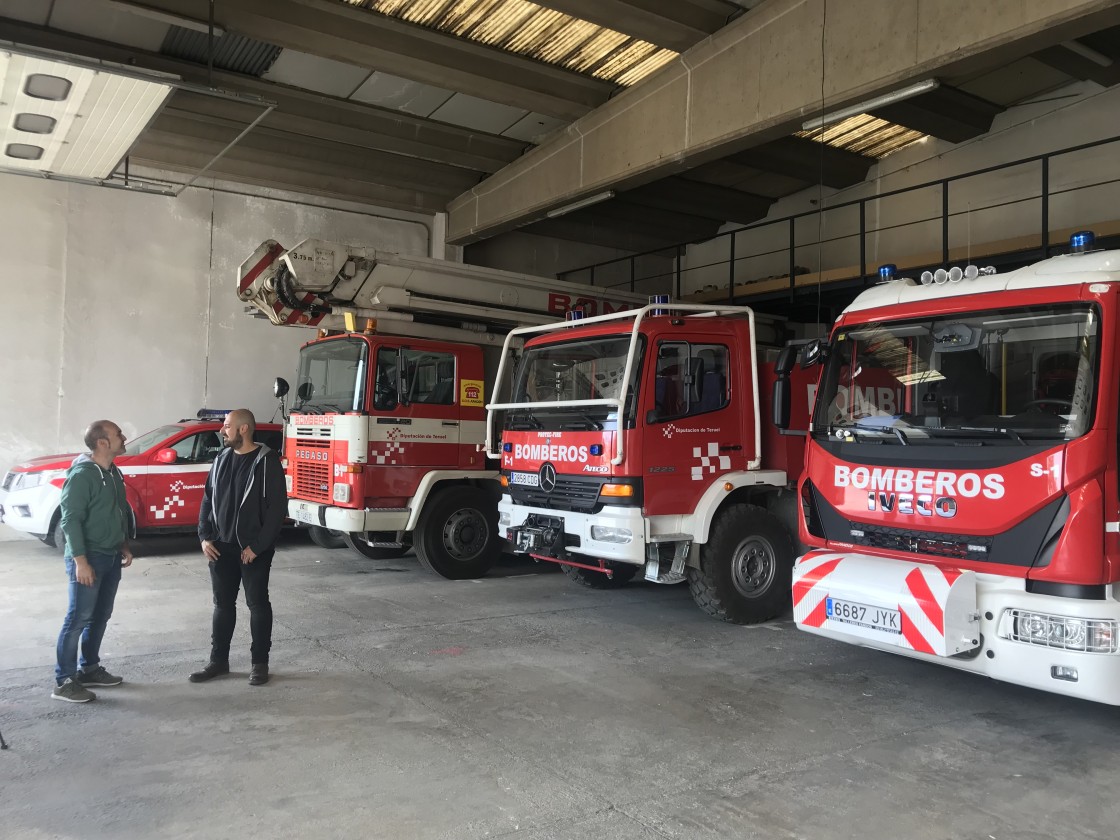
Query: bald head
{"x": 240, "y": 425}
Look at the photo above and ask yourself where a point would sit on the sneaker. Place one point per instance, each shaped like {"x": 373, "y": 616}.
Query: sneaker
{"x": 212, "y": 669}
{"x": 73, "y": 691}
{"x": 99, "y": 677}
{"x": 259, "y": 675}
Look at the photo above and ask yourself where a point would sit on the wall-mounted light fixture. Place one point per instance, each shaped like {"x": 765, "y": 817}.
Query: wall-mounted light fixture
{"x": 871, "y": 104}
{"x": 579, "y": 205}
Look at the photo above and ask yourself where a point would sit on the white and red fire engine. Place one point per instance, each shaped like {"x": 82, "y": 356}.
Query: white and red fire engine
{"x": 960, "y": 489}
{"x": 636, "y": 441}
{"x": 384, "y": 441}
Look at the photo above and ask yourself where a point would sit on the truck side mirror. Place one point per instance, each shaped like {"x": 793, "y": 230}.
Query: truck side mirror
{"x": 786, "y": 360}
{"x": 280, "y": 388}
{"x": 305, "y": 391}
{"x": 815, "y": 352}
{"x": 167, "y": 456}
{"x": 782, "y": 402}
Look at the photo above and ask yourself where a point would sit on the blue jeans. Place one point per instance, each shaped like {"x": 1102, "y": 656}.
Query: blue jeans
{"x": 88, "y": 614}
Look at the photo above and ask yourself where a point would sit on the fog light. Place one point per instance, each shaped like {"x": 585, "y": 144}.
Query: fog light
{"x": 611, "y": 535}
{"x": 1063, "y": 672}
{"x": 341, "y": 493}
{"x": 288, "y": 483}
{"x": 504, "y": 518}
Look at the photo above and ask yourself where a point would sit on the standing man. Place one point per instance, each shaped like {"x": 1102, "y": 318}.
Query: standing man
{"x": 243, "y": 507}
{"x": 96, "y": 521}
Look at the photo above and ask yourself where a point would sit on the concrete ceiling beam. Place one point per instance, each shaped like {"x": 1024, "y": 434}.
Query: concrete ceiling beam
{"x": 698, "y": 199}
{"x": 946, "y": 113}
{"x": 758, "y": 79}
{"x": 807, "y": 160}
{"x": 330, "y": 29}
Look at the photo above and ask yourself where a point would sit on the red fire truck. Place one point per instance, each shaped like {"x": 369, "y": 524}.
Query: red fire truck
{"x": 960, "y": 491}
{"x": 636, "y": 441}
{"x": 384, "y": 441}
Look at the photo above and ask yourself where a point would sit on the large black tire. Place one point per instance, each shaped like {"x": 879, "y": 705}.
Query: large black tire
{"x": 326, "y": 538}
{"x": 745, "y": 567}
{"x": 621, "y": 575}
{"x": 373, "y": 552}
{"x": 457, "y": 533}
{"x": 55, "y": 538}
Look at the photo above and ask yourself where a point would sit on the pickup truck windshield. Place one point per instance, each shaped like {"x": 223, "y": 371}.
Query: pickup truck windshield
{"x": 1006, "y": 376}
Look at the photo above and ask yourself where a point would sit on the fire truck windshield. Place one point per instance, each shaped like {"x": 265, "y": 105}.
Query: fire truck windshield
{"x": 1002, "y": 377}
{"x": 588, "y": 369}
{"x": 332, "y": 376}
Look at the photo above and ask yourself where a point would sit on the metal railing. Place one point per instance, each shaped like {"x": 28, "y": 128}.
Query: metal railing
{"x": 664, "y": 270}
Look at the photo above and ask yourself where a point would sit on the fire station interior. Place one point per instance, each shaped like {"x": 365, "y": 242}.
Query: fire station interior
{"x": 770, "y": 154}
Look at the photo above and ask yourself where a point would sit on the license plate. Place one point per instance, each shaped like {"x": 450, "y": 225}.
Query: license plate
{"x": 305, "y": 516}
{"x": 864, "y": 615}
{"x": 525, "y": 479}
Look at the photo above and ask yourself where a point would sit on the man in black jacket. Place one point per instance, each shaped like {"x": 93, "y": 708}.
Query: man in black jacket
{"x": 243, "y": 508}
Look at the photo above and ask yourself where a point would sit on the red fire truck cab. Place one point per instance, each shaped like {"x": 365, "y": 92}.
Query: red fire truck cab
{"x": 634, "y": 441}
{"x": 961, "y": 493}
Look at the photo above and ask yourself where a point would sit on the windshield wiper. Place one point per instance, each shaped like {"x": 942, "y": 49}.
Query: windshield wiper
{"x": 1011, "y": 433}
{"x": 591, "y": 421}
{"x": 524, "y": 419}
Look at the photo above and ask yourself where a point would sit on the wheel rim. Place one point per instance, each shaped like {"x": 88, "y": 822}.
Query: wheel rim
{"x": 753, "y": 567}
{"x": 464, "y": 534}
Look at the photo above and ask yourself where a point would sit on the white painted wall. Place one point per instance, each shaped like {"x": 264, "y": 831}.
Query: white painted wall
{"x": 1079, "y": 114}
{"x": 122, "y": 305}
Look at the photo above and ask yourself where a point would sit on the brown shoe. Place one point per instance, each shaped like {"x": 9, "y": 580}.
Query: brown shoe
{"x": 212, "y": 669}
{"x": 259, "y": 675}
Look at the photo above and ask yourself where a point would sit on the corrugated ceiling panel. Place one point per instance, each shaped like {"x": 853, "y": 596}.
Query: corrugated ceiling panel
{"x": 234, "y": 53}
{"x": 865, "y": 134}
{"x": 522, "y": 27}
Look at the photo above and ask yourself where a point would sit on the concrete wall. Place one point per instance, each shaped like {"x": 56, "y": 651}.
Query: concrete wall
{"x": 987, "y": 208}
{"x": 122, "y": 305}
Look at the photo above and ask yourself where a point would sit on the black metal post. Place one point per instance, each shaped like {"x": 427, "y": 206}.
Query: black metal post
{"x": 1045, "y": 207}
{"x": 945, "y": 224}
{"x": 863, "y": 241}
{"x": 680, "y": 255}
{"x": 792, "y": 258}
{"x": 633, "y": 271}
{"x": 731, "y": 272}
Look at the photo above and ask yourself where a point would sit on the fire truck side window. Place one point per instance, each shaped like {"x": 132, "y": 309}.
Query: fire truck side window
{"x": 690, "y": 379}
{"x": 385, "y": 379}
{"x": 429, "y": 377}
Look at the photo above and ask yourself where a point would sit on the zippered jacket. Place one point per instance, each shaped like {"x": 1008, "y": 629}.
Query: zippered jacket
{"x": 95, "y": 511}
{"x": 262, "y": 507}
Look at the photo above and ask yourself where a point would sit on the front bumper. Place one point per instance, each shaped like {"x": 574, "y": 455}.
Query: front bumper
{"x": 30, "y": 511}
{"x": 559, "y": 533}
{"x": 347, "y": 519}
{"x": 1089, "y": 675}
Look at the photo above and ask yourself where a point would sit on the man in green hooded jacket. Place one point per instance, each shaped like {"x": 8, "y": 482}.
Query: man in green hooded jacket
{"x": 96, "y": 521}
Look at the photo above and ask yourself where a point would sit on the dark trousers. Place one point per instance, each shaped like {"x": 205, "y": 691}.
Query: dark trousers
{"x": 227, "y": 573}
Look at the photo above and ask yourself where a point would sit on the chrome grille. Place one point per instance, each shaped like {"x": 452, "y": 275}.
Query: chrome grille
{"x": 578, "y": 494}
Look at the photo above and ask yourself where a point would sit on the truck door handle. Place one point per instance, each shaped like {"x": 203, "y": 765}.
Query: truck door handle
{"x": 451, "y": 422}
{"x": 730, "y": 448}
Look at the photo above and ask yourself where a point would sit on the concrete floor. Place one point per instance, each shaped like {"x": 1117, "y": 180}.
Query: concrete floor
{"x": 406, "y": 706}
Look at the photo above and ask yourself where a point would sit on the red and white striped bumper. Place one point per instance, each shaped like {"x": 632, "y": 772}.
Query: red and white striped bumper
{"x": 913, "y": 606}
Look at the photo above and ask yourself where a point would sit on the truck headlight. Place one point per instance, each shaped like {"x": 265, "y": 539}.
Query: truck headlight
{"x": 602, "y": 533}
{"x": 341, "y": 493}
{"x": 504, "y": 518}
{"x": 1059, "y": 632}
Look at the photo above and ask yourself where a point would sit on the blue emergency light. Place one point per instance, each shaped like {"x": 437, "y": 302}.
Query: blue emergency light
{"x": 1082, "y": 241}
{"x": 574, "y": 314}
{"x": 887, "y": 272}
{"x": 507, "y": 447}
{"x": 654, "y": 299}
{"x": 596, "y": 449}
{"x": 213, "y": 413}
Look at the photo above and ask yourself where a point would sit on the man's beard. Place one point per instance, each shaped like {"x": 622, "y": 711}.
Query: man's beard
{"x": 234, "y": 442}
